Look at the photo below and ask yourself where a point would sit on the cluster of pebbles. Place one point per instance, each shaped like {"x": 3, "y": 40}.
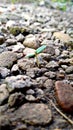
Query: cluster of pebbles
{"x": 23, "y": 85}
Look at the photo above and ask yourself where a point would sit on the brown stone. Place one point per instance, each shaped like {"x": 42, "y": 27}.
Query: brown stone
{"x": 64, "y": 94}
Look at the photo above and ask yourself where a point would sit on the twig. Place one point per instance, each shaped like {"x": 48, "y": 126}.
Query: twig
{"x": 62, "y": 114}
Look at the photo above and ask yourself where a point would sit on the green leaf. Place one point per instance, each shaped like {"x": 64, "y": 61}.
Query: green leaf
{"x": 40, "y": 49}
{"x": 30, "y": 55}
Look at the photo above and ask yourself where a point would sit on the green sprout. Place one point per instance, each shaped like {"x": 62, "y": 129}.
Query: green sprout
{"x": 35, "y": 54}
{"x": 13, "y": 1}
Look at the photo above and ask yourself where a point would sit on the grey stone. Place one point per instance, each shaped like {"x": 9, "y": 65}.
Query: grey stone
{"x": 52, "y": 65}
{"x": 20, "y": 38}
{"x": 69, "y": 70}
{"x": 7, "y": 59}
{"x": 34, "y": 114}
{"x": 18, "y": 48}
{"x": 15, "y": 99}
{"x": 30, "y": 98}
{"x": 50, "y": 74}
{"x": 19, "y": 81}
{"x": 10, "y": 42}
{"x": 24, "y": 64}
{"x": 4, "y": 72}
{"x": 4, "y": 94}
{"x": 49, "y": 50}
{"x": 30, "y": 92}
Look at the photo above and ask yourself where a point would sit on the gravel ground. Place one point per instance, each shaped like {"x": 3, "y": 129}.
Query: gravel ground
{"x": 31, "y": 87}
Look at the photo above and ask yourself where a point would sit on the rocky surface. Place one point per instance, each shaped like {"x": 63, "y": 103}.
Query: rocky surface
{"x": 28, "y": 84}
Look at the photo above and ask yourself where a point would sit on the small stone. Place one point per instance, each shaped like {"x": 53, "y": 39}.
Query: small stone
{"x": 24, "y": 64}
{"x": 48, "y": 84}
{"x": 1, "y": 39}
{"x": 7, "y": 59}
{"x": 49, "y": 50}
{"x": 34, "y": 114}
{"x": 30, "y": 92}
{"x": 69, "y": 70}
{"x": 10, "y": 42}
{"x": 62, "y": 36}
{"x": 19, "y": 81}
{"x": 15, "y": 99}
{"x": 64, "y": 94}
{"x": 31, "y": 42}
{"x": 18, "y": 48}
{"x": 57, "y": 52}
{"x": 3, "y": 93}
{"x": 4, "y": 72}
{"x": 39, "y": 91}
{"x": 50, "y": 74}
{"x": 15, "y": 69}
{"x": 52, "y": 65}
{"x": 64, "y": 61}
{"x": 20, "y": 38}
{"x": 30, "y": 98}
{"x": 45, "y": 56}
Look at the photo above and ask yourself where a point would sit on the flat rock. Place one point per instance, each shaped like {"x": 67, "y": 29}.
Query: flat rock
{"x": 62, "y": 36}
{"x": 64, "y": 94}
{"x": 34, "y": 114}
{"x": 3, "y": 93}
{"x": 7, "y": 59}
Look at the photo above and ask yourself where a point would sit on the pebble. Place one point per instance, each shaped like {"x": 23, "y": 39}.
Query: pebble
{"x": 15, "y": 99}
{"x": 20, "y": 38}
{"x": 24, "y": 64}
{"x": 7, "y": 59}
{"x": 2, "y": 39}
{"x": 50, "y": 75}
{"x": 34, "y": 114}
{"x": 19, "y": 81}
{"x": 52, "y": 65}
{"x": 15, "y": 69}
{"x": 31, "y": 42}
{"x": 64, "y": 94}
{"x": 4, "y": 72}
{"x": 4, "y": 94}
{"x": 69, "y": 70}
{"x": 10, "y": 42}
{"x": 18, "y": 48}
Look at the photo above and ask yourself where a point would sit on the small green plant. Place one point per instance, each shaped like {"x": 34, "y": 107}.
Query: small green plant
{"x": 35, "y": 54}
{"x": 13, "y": 1}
